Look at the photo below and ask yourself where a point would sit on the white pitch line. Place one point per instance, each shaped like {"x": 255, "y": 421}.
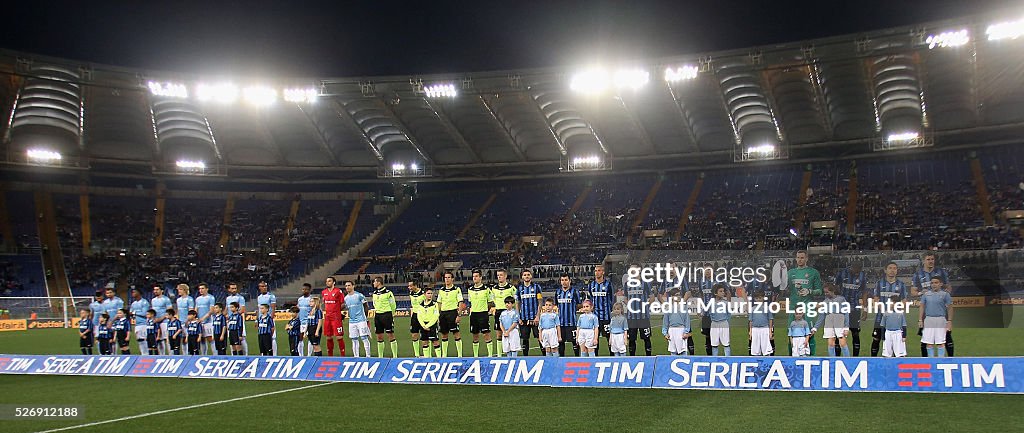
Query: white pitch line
{"x": 161, "y": 412}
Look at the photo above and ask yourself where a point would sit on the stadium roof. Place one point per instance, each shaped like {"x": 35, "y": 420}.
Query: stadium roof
{"x": 943, "y": 83}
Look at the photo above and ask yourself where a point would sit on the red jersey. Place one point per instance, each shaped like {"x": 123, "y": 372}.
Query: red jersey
{"x": 334, "y": 300}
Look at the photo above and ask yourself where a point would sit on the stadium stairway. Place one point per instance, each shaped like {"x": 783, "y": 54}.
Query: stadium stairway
{"x": 572, "y": 211}
{"x": 690, "y": 203}
{"x": 53, "y": 259}
{"x": 290, "y": 225}
{"x": 979, "y": 184}
{"x": 645, "y": 208}
{"x": 351, "y": 225}
{"x": 317, "y": 276}
{"x": 159, "y": 218}
{"x": 470, "y": 223}
{"x": 801, "y": 201}
{"x": 851, "y": 204}
{"x": 83, "y": 204}
{"x": 6, "y": 230}
{"x": 225, "y": 228}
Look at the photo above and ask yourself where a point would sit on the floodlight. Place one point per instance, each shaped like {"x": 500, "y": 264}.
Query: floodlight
{"x": 191, "y": 165}
{"x": 903, "y": 136}
{"x": 680, "y": 73}
{"x": 591, "y": 81}
{"x": 948, "y": 39}
{"x": 299, "y": 95}
{"x": 1005, "y": 30}
{"x": 762, "y": 149}
{"x": 260, "y": 96}
{"x": 440, "y": 90}
{"x": 171, "y": 90}
{"x": 631, "y": 78}
{"x": 223, "y": 92}
{"x": 43, "y": 155}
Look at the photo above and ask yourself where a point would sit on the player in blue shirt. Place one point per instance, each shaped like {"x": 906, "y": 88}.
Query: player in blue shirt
{"x": 834, "y": 324}
{"x": 96, "y": 309}
{"x": 161, "y": 304}
{"x": 358, "y": 328}
{"x": 886, "y": 288}
{"x": 193, "y": 332}
{"x": 152, "y": 332}
{"x": 184, "y": 304}
{"x": 529, "y": 294}
{"x": 268, "y": 299}
{"x": 85, "y": 332}
{"x": 853, "y": 284}
{"x": 235, "y": 324}
{"x": 303, "y": 304}
{"x": 799, "y": 330}
{"x": 602, "y": 294}
{"x": 204, "y": 311}
{"x": 139, "y": 307}
{"x": 920, "y": 283}
{"x": 235, "y": 297}
{"x": 294, "y": 329}
{"x": 568, "y": 299}
{"x": 586, "y": 333}
{"x": 265, "y": 330}
{"x": 315, "y": 326}
{"x": 122, "y": 329}
{"x": 550, "y": 332}
{"x": 509, "y": 322}
{"x": 111, "y": 304}
{"x": 675, "y": 325}
{"x": 618, "y": 328}
{"x": 935, "y": 314}
{"x": 174, "y": 331}
{"x": 105, "y": 336}
{"x": 220, "y": 329}
{"x": 761, "y": 326}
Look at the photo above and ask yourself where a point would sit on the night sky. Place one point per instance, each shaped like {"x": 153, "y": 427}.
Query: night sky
{"x": 313, "y": 39}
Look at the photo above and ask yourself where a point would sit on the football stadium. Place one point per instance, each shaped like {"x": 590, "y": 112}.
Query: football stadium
{"x": 574, "y": 247}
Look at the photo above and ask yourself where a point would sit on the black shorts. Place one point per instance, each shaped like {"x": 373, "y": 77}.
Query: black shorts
{"x": 174, "y": 343}
{"x": 428, "y": 334}
{"x": 497, "y": 321}
{"x": 105, "y": 348}
{"x": 414, "y": 325}
{"x": 151, "y": 340}
{"x": 85, "y": 341}
{"x": 234, "y": 337}
{"x": 293, "y": 344}
{"x": 568, "y": 334}
{"x": 639, "y": 323}
{"x": 220, "y": 345}
{"x": 266, "y": 342}
{"x": 525, "y": 330}
{"x": 384, "y": 322}
{"x": 311, "y": 336}
{"x": 449, "y": 322}
{"x": 604, "y": 328}
{"x": 479, "y": 322}
{"x": 644, "y": 333}
{"x": 122, "y": 338}
{"x": 705, "y": 325}
{"x": 878, "y": 333}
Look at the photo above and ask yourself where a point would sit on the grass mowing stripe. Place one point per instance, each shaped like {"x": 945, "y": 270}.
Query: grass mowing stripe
{"x": 194, "y": 406}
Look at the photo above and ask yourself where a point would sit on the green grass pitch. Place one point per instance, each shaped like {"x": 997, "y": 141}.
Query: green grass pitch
{"x": 389, "y": 407}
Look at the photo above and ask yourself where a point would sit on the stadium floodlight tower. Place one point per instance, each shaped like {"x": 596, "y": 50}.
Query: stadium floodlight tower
{"x": 402, "y": 162}
{"x": 584, "y": 161}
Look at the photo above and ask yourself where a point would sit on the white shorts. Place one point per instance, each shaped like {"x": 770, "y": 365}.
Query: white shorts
{"x": 894, "y": 345}
{"x": 163, "y": 330}
{"x": 512, "y": 343}
{"x": 207, "y": 330}
{"x": 302, "y": 328}
{"x": 676, "y": 342}
{"x": 140, "y": 332}
{"x": 358, "y": 329}
{"x": 836, "y": 332}
{"x": 549, "y": 338}
{"x": 719, "y": 336}
{"x": 761, "y": 341}
{"x": 585, "y": 338}
{"x": 800, "y": 347}
{"x": 934, "y": 330}
{"x": 617, "y": 342}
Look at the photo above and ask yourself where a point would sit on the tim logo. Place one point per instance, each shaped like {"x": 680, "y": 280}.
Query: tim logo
{"x": 914, "y": 375}
{"x": 347, "y": 370}
{"x": 327, "y": 370}
{"x": 4, "y": 362}
{"x": 152, "y": 366}
{"x": 576, "y": 372}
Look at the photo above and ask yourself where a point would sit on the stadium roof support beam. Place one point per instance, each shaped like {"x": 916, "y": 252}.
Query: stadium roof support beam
{"x": 318, "y": 135}
{"x": 268, "y": 136}
{"x": 508, "y": 134}
{"x": 390, "y": 113}
{"x": 452, "y": 129}
{"x": 547, "y": 123}
{"x": 682, "y": 117}
{"x": 645, "y": 138}
{"x": 819, "y": 97}
{"x": 344, "y": 115}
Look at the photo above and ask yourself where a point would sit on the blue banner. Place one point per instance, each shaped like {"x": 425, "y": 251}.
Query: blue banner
{"x": 79, "y": 365}
{"x": 988, "y": 375}
{"x": 612, "y": 372}
{"x": 471, "y": 371}
{"x": 349, "y": 369}
{"x": 249, "y": 367}
{"x": 159, "y": 366}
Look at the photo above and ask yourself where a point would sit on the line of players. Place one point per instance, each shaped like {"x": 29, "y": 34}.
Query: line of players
{"x": 310, "y": 320}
